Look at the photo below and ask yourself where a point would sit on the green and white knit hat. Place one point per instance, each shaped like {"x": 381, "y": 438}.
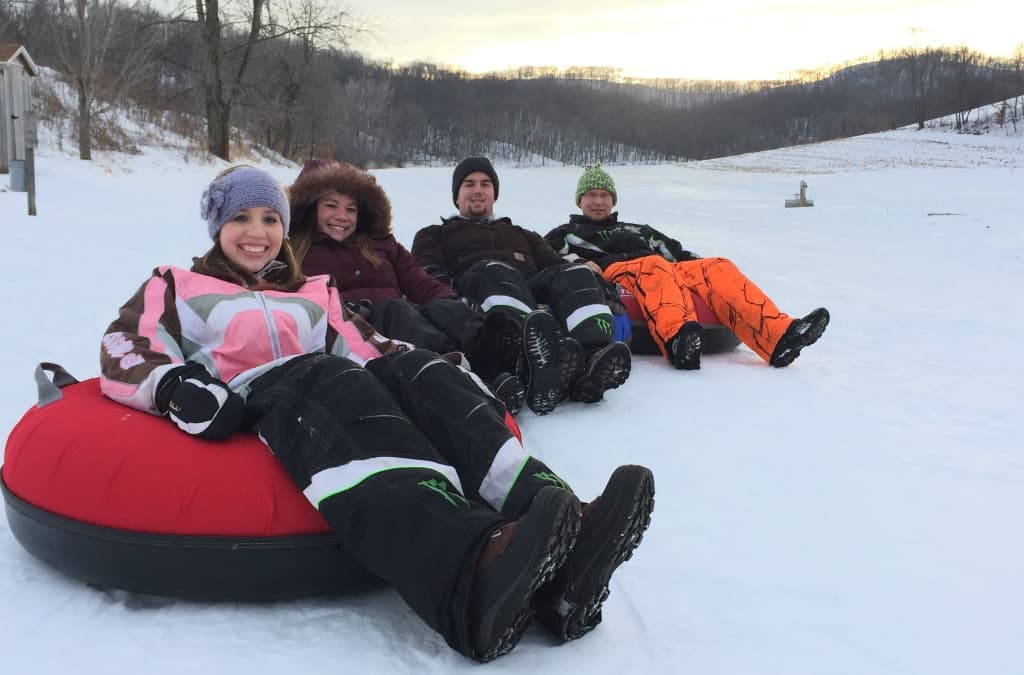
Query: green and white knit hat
{"x": 595, "y": 178}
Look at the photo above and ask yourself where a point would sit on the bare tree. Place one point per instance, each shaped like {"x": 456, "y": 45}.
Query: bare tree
{"x": 923, "y": 67}
{"x": 966, "y": 64}
{"x": 6, "y": 18}
{"x": 101, "y": 54}
{"x": 1017, "y": 68}
{"x": 365, "y": 116}
{"x": 227, "y": 53}
{"x": 220, "y": 98}
{"x": 12, "y": 23}
{"x": 316, "y": 29}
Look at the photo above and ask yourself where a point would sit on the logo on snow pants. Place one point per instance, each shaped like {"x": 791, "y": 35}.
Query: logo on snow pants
{"x": 441, "y": 488}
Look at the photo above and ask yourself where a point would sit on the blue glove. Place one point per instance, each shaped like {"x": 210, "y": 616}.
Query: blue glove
{"x": 200, "y": 404}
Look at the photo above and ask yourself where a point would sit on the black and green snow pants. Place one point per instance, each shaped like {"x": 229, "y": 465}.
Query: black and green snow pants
{"x": 409, "y": 461}
{"x": 572, "y": 291}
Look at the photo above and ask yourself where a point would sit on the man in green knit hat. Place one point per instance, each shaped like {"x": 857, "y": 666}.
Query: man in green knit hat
{"x": 664, "y": 277}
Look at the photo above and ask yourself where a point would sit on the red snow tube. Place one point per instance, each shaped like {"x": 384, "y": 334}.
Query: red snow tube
{"x": 717, "y": 336}
{"x": 122, "y": 499}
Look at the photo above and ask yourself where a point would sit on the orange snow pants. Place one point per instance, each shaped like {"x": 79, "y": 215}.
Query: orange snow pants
{"x": 662, "y": 290}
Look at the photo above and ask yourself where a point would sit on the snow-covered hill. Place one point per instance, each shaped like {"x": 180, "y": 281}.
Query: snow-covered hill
{"x": 858, "y": 512}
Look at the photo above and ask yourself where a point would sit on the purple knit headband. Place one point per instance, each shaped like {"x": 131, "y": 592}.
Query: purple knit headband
{"x": 242, "y": 188}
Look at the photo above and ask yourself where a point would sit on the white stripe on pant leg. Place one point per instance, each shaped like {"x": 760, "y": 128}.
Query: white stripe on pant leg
{"x": 504, "y": 472}
{"x": 586, "y": 312}
{"x": 329, "y": 482}
{"x": 492, "y": 301}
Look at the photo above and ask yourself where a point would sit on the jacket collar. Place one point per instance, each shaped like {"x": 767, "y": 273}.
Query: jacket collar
{"x": 482, "y": 221}
{"x": 580, "y": 219}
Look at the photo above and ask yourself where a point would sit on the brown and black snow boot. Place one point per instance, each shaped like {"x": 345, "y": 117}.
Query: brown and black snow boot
{"x": 612, "y": 527}
{"x": 519, "y": 558}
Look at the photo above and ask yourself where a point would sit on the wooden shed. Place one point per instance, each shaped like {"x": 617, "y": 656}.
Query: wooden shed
{"x": 16, "y": 71}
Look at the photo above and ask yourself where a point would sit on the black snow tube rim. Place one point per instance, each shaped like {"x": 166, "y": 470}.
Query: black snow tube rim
{"x": 188, "y": 567}
{"x": 717, "y": 338}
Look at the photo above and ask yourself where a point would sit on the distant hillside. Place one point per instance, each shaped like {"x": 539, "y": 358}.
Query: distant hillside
{"x": 299, "y": 96}
{"x": 158, "y": 141}
{"x": 577, "y": 121}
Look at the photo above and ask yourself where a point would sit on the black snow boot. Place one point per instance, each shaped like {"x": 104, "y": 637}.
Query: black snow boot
{"x": 607, "y": 368}
{"x": 541, "y": 369}
{"x": 801, "y": 333}
{"x": 507, "y": 388}
{"x": 613, "y": 526}
{"x": 573, "y": 365}
{"x": 497, "y": 346}
{"x": 684, "y": 348}
{"x": 531, "y": 552}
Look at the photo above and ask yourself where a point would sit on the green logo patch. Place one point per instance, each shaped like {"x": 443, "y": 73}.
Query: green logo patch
{"x": 441, "y": 487}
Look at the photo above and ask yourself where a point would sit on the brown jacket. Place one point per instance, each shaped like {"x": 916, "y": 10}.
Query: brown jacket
{"x": 447, "y": 250}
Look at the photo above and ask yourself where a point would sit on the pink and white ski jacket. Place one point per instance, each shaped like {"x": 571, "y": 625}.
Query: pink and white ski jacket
{"x": 180, "y": 316}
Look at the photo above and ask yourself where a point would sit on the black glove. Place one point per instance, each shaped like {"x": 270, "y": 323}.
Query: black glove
{"x": 439, "y": 272}
{"x": 612, "y": 292}
{"x": 469, "y": 302}
{"x": 363, "y": 307}
{"x": 200, "y": 404}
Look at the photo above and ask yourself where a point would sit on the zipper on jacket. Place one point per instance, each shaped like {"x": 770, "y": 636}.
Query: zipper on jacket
{"x": 268, "y": 316}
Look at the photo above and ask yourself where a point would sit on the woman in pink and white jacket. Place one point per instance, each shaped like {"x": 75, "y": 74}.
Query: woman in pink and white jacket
{"x": 407, "y": 458}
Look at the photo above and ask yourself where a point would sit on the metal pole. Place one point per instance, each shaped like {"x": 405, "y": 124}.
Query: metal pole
{"x": 30, "y": 178}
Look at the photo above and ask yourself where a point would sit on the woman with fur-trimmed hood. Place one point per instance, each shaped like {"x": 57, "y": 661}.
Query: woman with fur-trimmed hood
{"x": 341, "y": 226}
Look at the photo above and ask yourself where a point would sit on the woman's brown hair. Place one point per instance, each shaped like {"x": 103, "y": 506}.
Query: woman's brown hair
{"x": 281, "y": 274}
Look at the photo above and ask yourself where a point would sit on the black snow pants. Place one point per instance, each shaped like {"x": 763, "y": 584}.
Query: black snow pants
{"x": 410, "y": 464}
{"x": 571, "y": 290}
{"x": 440, "y": 326}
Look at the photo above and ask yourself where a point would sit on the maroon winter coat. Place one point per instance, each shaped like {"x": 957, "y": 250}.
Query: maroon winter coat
{"x": 398, "y": 273}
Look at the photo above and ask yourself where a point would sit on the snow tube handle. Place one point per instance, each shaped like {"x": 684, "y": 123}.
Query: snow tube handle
{"x": 50, "y": 390}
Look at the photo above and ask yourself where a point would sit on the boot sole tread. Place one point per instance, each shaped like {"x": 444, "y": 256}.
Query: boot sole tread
{"x": 638, "y": 486}
{"x": 549, "y": 556}
{"x": 540, "y": 346}
{"x": 609, "y": 370}
{"x": 815, "y": 329}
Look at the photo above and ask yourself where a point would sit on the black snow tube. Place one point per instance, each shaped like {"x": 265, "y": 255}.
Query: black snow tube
{"x": 717, "y": 337}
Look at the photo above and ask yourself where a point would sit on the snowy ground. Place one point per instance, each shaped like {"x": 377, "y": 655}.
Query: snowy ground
{"x": 858, "y": 512}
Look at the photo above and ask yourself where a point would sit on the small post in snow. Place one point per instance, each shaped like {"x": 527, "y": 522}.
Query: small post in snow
{"x": 30, "y": 178}
{"x": 31, "y": 138}
{"x": 801, "y": 198}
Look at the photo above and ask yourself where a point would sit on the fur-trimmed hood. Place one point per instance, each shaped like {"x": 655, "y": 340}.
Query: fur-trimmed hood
{"x": 319, "y": 177}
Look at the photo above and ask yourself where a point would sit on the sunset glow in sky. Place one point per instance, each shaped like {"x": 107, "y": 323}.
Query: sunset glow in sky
{"x": 713, "y": 39}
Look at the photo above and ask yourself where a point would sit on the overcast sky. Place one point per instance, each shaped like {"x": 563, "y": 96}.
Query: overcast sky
{"x": 727, "y": 39}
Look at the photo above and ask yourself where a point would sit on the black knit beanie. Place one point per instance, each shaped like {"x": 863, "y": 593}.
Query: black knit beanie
{"x": 468, "y": 166}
